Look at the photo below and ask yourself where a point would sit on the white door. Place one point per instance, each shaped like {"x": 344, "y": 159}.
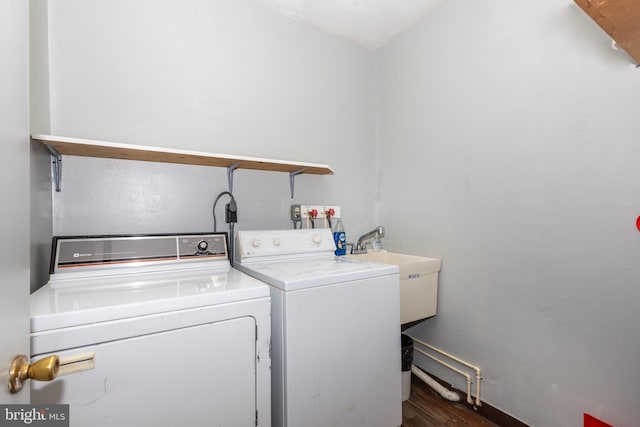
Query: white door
{"x": 14, "y": 178}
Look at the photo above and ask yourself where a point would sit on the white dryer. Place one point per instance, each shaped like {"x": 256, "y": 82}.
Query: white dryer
{"x": 153, "y": 331}
{"x": 335, "y": 330}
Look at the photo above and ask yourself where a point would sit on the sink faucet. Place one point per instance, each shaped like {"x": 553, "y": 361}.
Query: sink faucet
{"x": 360, "y": 247}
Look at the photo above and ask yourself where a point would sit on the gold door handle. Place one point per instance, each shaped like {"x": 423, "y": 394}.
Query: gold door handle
{"x": 43, "y": 370}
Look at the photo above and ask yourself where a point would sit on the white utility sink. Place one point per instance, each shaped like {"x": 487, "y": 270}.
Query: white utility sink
{"x": 418, "y": 282}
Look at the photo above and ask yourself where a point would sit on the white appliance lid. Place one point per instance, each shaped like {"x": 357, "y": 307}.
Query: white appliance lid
{"x": 295, "y": 274}
{"x": 81, "y": 301}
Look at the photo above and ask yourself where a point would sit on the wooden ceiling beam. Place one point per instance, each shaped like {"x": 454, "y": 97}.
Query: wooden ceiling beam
{"x": 618, "y": 18}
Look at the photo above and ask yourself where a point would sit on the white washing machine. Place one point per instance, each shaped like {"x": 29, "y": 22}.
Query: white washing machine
{"x": 153, "y": 331}
{"x": 335, "y": 330}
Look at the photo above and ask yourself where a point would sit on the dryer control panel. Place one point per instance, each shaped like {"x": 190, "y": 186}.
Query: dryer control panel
{"x": 73, "y": 253}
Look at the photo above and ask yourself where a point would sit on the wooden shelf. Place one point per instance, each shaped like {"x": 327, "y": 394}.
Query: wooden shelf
{"x": 58, "y": 146}
{"x": 619, "y": 19}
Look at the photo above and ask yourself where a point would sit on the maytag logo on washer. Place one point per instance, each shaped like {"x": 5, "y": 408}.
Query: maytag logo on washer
{"x": 77, "y": 255}
{"x": 36, "y": 415}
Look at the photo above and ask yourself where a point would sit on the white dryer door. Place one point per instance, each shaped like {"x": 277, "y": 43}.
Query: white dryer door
{"x": 197, "y": 376}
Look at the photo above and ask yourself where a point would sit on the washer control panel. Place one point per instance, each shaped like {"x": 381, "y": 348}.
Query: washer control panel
{"x": 277, "y": 243}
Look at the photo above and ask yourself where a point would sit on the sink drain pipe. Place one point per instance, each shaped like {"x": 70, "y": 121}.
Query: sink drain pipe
{"x": 435, "y": 385}
{"x": 442, "y": 391}
{"x": 470, "y": 400}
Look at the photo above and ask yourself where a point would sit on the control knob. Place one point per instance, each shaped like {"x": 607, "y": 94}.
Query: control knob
{"x": 202, "y": 246}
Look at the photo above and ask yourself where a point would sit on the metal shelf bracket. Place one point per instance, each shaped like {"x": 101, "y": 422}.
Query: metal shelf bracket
{"x": 56, "y": 160}
{"x": 292, "y": 178}
{"x": 230, "y": 171}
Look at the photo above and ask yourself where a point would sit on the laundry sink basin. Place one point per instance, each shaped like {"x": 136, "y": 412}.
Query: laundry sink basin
{"x": 418, "y": 282}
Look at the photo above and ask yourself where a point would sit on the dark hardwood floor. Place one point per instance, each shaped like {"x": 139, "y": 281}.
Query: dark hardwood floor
{"x": 426, "y": 408}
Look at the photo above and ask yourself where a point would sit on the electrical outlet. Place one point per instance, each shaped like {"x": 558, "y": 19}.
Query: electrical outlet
{"x": 295, "y": 213}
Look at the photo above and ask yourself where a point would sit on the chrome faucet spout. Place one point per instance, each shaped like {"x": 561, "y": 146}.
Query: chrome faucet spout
{"x": 360, "y": 246}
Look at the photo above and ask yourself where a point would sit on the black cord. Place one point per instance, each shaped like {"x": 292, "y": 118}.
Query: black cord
{"x": 233, "y": 201}
{"x": 231, "y": 213}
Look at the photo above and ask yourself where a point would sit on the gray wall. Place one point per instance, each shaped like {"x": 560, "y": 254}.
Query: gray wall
{"x": 506, "y": 145}
{"x": 509, "y": 138}
{"x": 220, "y": 76}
